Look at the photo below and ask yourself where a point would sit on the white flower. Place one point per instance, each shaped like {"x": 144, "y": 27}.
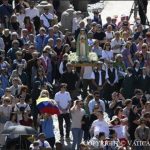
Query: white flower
{"x": 72, "y": 57}
{"x": 93, "y": 56}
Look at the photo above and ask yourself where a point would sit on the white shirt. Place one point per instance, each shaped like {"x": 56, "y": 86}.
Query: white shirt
{"x": 109, "y": 35}
{"x": 63, "y": 99}
{"x": 20, "y": 18}
{"x": 13, "y": 89}
{"x": 32, "y": 12}
{"x": 18, "y": 106}
{"x": 115, "y": 42}
{"x": 91, "y": 42}
{"x": 45, "y": 21}
{"x": 108, "y": 55}
{"x": 45, "y": 144}
{"x": 87, "y": 72}
{"x": 100, "y": 126}
{"x": 6, "y": 110}
{"x": 61, "y": 68}
{"x": 120, "y": 130}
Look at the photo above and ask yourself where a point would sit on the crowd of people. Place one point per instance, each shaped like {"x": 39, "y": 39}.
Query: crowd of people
{"x": 105, "y": 106}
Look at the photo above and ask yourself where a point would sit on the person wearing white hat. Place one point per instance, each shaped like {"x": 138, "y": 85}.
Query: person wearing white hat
{"x": 46, "y": 18}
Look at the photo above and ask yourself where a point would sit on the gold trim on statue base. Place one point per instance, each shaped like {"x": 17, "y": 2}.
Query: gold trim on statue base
{"x": 83, "y": 64}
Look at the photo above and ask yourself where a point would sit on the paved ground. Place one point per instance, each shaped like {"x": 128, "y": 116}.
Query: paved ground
{"x": 112, "y": 8}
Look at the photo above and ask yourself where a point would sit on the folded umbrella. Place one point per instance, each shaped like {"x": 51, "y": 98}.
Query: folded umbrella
{"x": 45, "y": 105}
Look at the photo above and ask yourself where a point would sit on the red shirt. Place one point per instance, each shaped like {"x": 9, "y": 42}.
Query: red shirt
{"x": 26, "y": 123}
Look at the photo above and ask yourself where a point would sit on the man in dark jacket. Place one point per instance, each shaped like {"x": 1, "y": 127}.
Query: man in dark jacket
{"x": 71, "y": 78}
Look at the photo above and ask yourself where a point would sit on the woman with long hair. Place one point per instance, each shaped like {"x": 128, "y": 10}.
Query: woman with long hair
{"x": 28, "y": 24}
{"x": 65, "y": 50}
{"x": 107, "y": 53}
{"x": 26, "y": 120}
{"x": 40, "y": 77}
{"x": 24, "y": 93}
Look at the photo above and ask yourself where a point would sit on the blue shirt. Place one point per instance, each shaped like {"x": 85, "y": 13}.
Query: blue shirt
{"x": 39, "y": 42}
{"x": 12, "y": 53}
{"x": 92, "y": 104}
{"x": 48, "y": 128}
{"x": 4, "y": 81}
{"x": 47, "y": 38}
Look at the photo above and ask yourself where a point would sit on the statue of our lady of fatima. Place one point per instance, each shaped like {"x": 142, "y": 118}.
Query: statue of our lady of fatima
{"x": 82, "y": 46}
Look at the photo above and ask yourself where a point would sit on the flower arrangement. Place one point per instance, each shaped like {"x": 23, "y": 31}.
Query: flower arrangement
{"x": 92, "y": 57}
{"x": 73, "y": 58}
